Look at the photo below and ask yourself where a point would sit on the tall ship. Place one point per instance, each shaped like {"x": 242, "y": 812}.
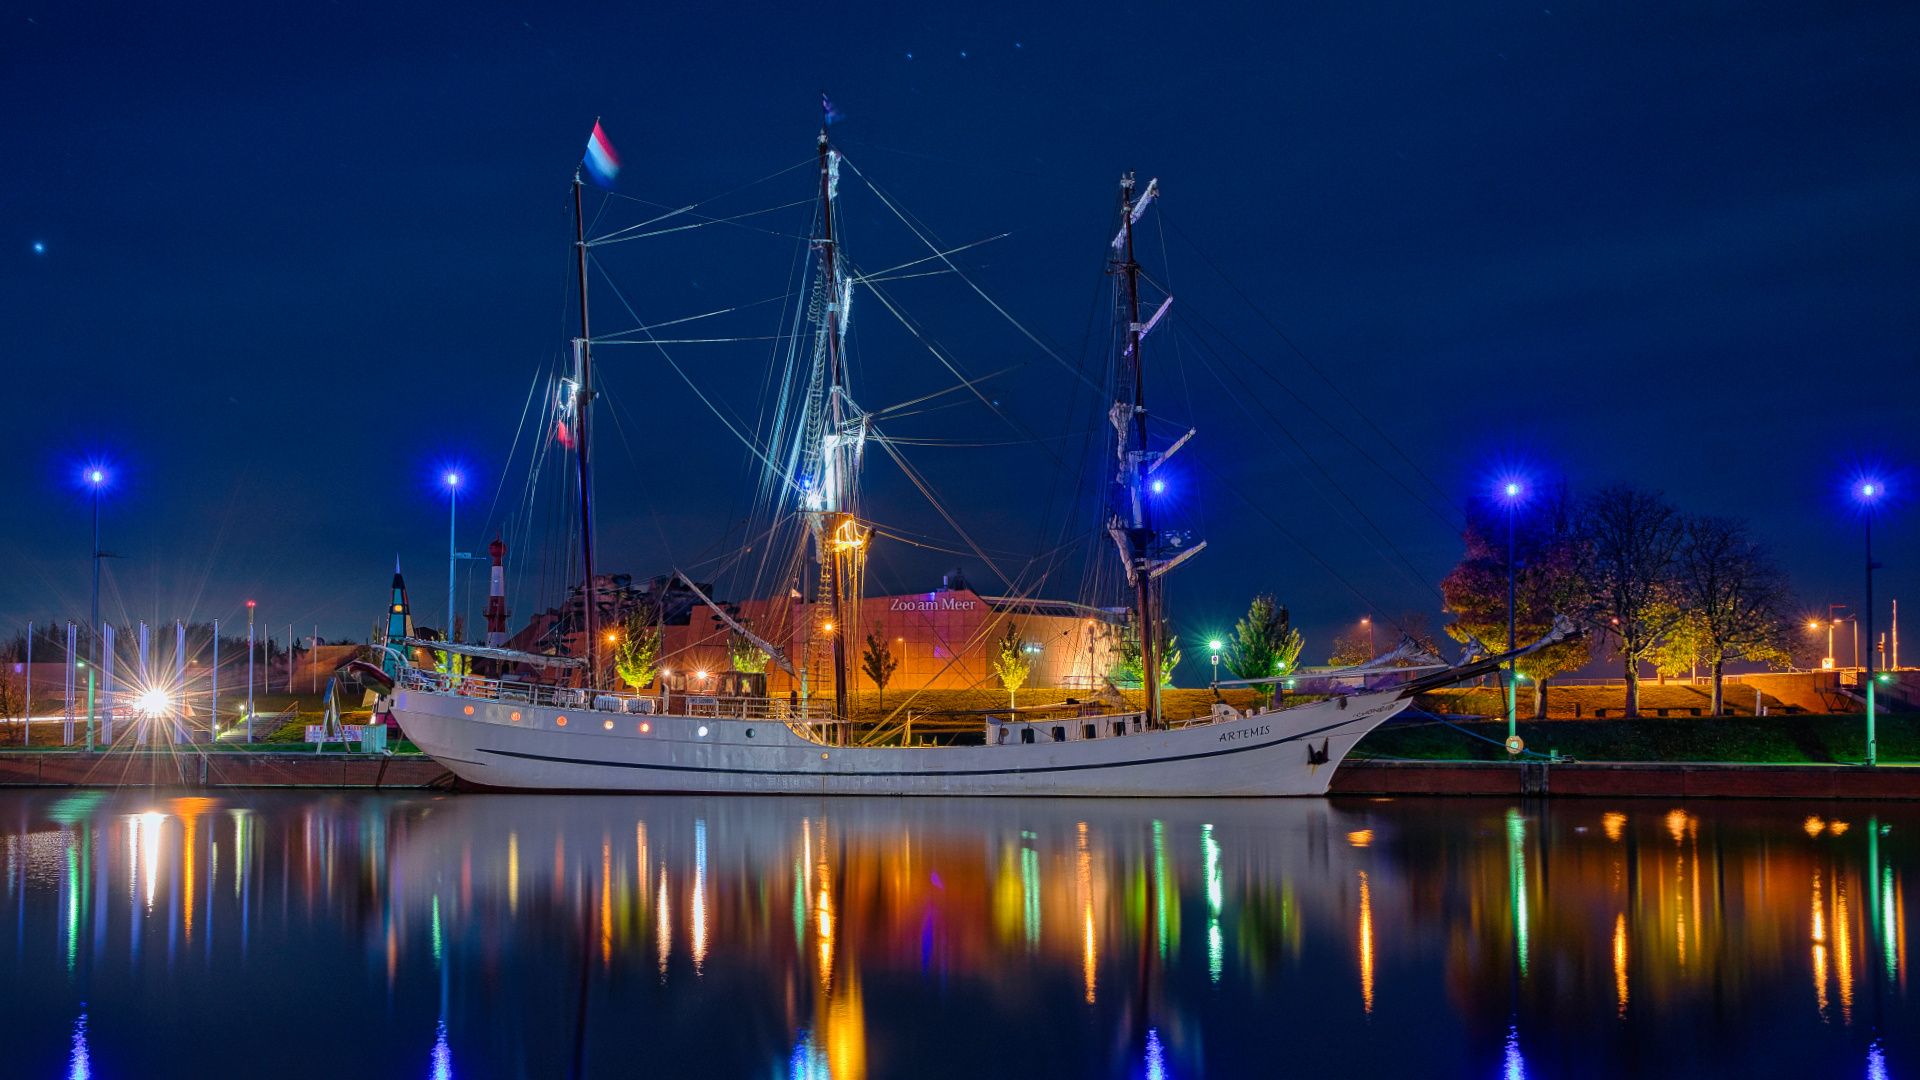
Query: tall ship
{"x": 588, "y": 699}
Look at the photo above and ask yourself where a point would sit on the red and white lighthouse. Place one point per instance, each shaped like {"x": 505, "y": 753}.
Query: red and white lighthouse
{"x": 497, "y": 597}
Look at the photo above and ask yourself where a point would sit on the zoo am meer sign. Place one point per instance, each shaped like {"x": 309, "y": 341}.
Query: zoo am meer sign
{"x": 941, "y": 603}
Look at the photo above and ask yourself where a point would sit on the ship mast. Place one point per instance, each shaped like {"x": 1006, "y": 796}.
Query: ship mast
{"x": 1131, "y": 521}
{"x": 582, "y": 404}
{"x": 838, "y": 537}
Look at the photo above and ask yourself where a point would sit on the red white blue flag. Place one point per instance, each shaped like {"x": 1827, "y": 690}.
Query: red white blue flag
{"x": 602, "y": 163}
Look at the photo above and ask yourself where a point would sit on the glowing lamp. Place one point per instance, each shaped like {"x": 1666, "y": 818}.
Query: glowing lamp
{"x": 1214, "y": 644}
{"x": 453, "y": 479}
{"x": 153, "y": 701}
{"x": 95, "y": 476}
{"x": 699, "y": 674}
{"x": 1159, "y": 486}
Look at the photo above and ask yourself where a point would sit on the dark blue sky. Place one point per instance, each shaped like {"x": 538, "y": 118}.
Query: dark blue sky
{"x": 296, "y": 255}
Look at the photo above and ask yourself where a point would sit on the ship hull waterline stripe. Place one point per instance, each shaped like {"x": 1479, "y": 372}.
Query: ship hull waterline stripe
{"x": 929, "y": 772}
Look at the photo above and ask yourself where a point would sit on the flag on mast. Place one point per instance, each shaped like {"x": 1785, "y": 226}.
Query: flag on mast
{"x": 602, "y": 163}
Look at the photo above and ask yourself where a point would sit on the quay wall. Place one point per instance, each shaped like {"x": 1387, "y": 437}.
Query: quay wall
{"x": 1683, "y": 780}
{"x": 1656, "y": 779}
{"x": 184, "y": 768}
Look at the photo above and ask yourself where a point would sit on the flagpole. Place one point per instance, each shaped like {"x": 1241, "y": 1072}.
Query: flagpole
{"x": 583, "y": 403}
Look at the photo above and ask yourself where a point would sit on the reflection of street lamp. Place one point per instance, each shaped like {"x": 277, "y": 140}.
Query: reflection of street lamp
{"x": 1214, "y": 647}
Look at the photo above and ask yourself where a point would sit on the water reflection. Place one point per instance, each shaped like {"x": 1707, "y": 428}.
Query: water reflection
{"x": 353, "y": 935}
{"x": 80, "y": 1062}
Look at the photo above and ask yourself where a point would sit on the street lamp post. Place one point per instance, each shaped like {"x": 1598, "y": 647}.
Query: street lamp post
{"x": 1512, "y": 493}
{"x": 453, "y": 557}
{"x": 1870, "y": 493}
{"x": 1214, "y": 647}
{"x": 95, "y": 478}
{"x": 249, "y": 671}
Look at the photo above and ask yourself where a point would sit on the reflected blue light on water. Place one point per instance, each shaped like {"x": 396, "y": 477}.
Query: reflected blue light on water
{"x": 1156, "y": 1056}
{"x": 1514, "y": 1066}
{"x": 442, "y": 1067}
{"x": 1876, "y": 1062}
{"x": 80, "y": 1063}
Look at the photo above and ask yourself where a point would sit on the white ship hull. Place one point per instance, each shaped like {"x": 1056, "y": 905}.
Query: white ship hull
{"x": 1283, "y": 752}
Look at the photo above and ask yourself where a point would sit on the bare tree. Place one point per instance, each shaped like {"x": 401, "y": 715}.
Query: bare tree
{"x": 1632, "y": 536}
{"x": 1733, "y": 596}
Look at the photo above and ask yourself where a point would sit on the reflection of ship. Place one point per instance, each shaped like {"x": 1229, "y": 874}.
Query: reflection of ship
{"x": 991, "y": 937}
{"x": 530, "y": 733}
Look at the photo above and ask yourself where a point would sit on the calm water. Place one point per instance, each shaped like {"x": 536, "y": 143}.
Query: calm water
{"x": 335, "y": 935}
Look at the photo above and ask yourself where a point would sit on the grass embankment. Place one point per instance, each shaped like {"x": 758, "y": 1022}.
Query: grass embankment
{"x": 1762, "y": 739}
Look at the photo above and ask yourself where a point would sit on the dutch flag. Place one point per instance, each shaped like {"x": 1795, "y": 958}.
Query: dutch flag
{"x": 602, "y": 163}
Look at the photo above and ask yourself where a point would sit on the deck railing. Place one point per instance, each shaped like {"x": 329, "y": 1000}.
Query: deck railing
{"x": 480, "y": 688}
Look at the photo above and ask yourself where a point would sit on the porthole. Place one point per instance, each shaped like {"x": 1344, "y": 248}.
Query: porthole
{"x": 609, "y": 725}
{"x": 749, "y": 733}
{"x": 561, "y": 720}
{"x": 645, "y": 727}
{"x": 469, "y": 710}
{"x": 703, "y": 731}
{"x": 515, "y": 717}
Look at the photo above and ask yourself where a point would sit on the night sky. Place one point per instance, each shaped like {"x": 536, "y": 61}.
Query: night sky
{"x": 278, "y": 265}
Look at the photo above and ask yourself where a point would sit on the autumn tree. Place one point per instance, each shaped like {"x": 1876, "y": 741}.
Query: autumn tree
{"x": 1549, "y": 578}
{"x": 1734, "y": 599}
{"x": 878, "y": 660}
{"x": 1352, "y": 648}
{"x": 1631, "y": 537}
{"x": 1011, "y": 662}
{"x": 15, "y": 705}
{"x": 1264, "y": 644}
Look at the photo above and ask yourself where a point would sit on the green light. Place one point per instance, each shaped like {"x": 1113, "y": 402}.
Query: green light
{"x": 1216, "y": 942}
{"x": 1214, "y": 645}
{"x": 1517, "y": 881}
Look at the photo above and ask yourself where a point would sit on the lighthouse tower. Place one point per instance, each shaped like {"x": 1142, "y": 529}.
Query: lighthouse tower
{"x": 399, "y": 615}
{"x": 497, "y": 597}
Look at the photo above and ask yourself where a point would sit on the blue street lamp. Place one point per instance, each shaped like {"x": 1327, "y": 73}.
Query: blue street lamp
{"x": 1512, "y": 493}
{"x": 453, "y": 552}
{"x": 96, "y": 479}
{"x": 1869, "y": 492}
